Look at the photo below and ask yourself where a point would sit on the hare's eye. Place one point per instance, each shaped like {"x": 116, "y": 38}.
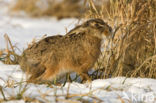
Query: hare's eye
{"x": 97, "y": 25}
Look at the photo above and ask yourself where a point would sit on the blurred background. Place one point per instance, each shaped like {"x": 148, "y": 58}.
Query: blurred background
{"x": 57, "y": 8}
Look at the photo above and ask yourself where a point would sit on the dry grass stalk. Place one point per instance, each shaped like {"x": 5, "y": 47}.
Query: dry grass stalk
{"x": 8, "y": 56}
{"x": 2, "y": 93}
{"x": 67, "y": 101}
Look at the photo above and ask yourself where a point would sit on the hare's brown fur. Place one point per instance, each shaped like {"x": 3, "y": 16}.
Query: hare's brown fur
{"x": 77, "y": 51}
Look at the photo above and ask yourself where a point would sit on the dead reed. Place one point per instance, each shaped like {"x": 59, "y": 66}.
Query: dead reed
{"x": 8, "y": 56}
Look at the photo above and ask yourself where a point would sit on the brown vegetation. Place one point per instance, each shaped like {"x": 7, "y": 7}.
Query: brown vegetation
{"x": 8, "y": 56}
{"x": 132, "y": 52}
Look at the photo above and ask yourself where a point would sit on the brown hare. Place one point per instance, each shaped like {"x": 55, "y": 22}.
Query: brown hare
{"x": 77, "y": 51}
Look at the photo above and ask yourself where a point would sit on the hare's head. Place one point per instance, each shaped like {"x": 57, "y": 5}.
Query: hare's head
{"x": 94, "y": 27}
{"x": 98, "y": 27}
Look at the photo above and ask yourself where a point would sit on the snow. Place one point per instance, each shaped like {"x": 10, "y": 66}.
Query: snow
{"x": 22, "y": 30}
{"x": 113, "y": 90}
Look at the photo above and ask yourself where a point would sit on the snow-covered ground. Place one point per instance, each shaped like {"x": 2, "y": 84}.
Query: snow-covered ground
{"x": 114, "y": 90}
{"x": 22, "y": 30}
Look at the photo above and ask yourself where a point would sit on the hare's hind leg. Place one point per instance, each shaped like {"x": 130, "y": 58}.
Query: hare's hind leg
{"x": 49, "y": 74}
{"x": 35, "y": 72}
{"x": 84, "y": 76}
{"x": 83, "y": 72}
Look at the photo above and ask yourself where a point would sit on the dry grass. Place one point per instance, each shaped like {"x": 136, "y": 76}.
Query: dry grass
{"x": 44, "y": 95}
{"x": 132, "y": 51}
{"x": 8, "y": 56}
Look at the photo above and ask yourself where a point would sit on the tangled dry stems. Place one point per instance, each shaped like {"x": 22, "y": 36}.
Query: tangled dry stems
{"x": 132, "y": 51}
{"x": 8, "y": 56}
